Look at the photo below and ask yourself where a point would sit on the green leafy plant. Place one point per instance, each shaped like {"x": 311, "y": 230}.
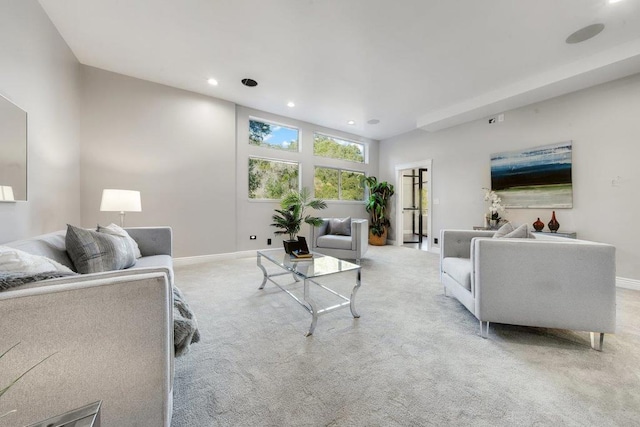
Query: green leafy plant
{"x": 291, "y": 215}
{"x": 12, "y": 383}
{"x": 379, "y": 195}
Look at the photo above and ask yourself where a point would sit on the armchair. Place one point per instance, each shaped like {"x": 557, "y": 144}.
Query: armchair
{"x": 545, "y": 281}
{"x": 353, "y": 246}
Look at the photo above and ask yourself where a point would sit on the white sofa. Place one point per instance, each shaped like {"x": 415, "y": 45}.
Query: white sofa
{"x": 545, "y": 281}
{"x": 346, "y": 247}
{"x": 112, "y": 333}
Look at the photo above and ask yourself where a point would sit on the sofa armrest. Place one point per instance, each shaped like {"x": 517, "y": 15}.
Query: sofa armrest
{"x": 360, "y": 235}
{"x": 457, "y": 243}
{"x": 153, "y": 240}
{"x": 318, "y": 231}
{"x": 554, "y": 284}
{"x": 118, "y": 325}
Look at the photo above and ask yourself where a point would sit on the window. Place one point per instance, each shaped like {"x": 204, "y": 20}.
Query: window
{"x": 271, "y": 179}
{"x": 328, "y": 146}
{"x": 270, "y": 135}
{"x": 337, "y": 184}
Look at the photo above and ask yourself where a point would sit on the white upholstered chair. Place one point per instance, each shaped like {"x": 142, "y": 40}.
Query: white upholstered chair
{"x": 334, "y": 241}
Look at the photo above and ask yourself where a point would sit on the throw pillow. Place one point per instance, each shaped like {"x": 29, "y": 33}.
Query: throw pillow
{"x": 93, "y": 252}
{"x": 116, "y": 230}
{"x": 340, "y": 226}
{"x": 503, "y": 231}
{"x": 20, "y": 262}
{"x": 521, "y": 232}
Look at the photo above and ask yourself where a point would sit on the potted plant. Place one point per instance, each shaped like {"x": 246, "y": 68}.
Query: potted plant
{"x": 376, "y": 205}
{"x": 495, "y": 207}
{"x": 290, "y": 217}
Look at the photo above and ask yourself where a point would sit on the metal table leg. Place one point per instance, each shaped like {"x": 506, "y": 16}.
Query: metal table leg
{"x": 352, "y": 303}
{"x": 264, "y": 271}
{"x": 313, "y": 308}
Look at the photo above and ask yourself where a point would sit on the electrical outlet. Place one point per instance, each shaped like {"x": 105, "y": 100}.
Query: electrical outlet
{"x": 268, "y": 241}
{"x": 253, "y": 237}
{"x": 435, "y": 240}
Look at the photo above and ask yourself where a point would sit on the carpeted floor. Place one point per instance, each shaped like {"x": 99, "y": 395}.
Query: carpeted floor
{"x": 414, "y": 358}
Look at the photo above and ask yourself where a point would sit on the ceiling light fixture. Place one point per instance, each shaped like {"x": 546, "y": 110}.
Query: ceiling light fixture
{"x": 584, "y": 34}
{"x": 212, "y": 82}
{"x": 614, "y": 1}
{"x": 249, "y": 82}
{"x": 291, "y": 104}
{"x": 373, "y": 121}
{"x": 351, "y": 122}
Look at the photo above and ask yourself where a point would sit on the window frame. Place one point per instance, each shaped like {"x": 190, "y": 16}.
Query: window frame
{"x": 365, "y": 157}
{"x": 340, "y": 170}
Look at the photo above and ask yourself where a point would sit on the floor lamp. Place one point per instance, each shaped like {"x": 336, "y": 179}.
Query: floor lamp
{"x": 120, "y": 201}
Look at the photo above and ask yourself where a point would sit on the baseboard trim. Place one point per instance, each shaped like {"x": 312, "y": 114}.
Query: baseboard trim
{"x": 623, "y": 282}
{"x": 191, "y": 260}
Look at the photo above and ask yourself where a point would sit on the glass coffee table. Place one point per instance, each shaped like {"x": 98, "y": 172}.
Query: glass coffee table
{"x": 307, "y": 271}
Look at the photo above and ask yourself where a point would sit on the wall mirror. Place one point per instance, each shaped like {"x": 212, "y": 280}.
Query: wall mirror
{"x": 13, "y": 152}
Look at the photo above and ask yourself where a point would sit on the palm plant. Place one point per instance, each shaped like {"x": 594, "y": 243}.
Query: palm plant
{"x": 291, "y": 215}
{"x": 376, "y": 205}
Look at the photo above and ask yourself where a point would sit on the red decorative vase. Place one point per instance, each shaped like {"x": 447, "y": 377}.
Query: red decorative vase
{"x": 538, "y": 225}
{"x": 553, "y": 224}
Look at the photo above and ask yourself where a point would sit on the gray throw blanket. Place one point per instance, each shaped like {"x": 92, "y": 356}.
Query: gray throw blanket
{"x": 10, "y": 279}
{"x": 185, "y": 327}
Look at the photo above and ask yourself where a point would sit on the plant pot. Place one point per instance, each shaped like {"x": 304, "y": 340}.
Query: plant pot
{"x": 378, "y": 240}
{"x": 290, "y": 245}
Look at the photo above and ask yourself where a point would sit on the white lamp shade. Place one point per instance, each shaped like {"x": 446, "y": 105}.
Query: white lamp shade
{"x": 6, "y": 193}
{"x": 120, "y": 201}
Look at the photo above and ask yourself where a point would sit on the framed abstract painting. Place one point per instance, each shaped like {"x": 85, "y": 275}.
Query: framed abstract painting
{"x": 538, "y": 177}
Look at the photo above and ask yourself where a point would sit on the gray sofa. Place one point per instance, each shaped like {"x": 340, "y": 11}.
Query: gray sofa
{"x": 545, "y": 281}
{"x": 111, "y": 332}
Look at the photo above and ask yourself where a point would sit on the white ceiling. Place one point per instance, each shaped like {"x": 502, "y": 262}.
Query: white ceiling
{"x": 408, "y": 63}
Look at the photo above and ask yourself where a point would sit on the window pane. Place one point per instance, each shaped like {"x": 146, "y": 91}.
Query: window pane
{"x": 271, "y": 179}
{"x": 351, "y": 185}
{"x": 326, "y": 183}
{"x": 326, "y": 146}
{"x": 270, "y": 135}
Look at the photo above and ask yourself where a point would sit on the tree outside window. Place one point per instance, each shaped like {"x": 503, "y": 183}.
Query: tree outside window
{"x": 337, "y": 184}
{"x": 327, "y": 146}
{"x": 271, "y": 179}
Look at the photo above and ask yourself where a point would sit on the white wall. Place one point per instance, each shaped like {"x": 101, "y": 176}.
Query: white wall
{"x": 603, "y": 124}
{"x": 39, "y": 73}
{"x": 254, "y": 216}
{"x": 176, "y": 147}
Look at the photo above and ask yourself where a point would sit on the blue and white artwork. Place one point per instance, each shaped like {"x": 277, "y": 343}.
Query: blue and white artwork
{"x": 538, "y": 177}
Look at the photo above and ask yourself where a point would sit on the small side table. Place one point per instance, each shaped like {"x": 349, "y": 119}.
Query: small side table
{"x": 87, "y": 416}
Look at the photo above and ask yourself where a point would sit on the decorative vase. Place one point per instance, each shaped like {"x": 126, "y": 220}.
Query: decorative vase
{"x": 539, "y": 225}
{"x": 493, "y": 224}
{"x": 553, "y": 224}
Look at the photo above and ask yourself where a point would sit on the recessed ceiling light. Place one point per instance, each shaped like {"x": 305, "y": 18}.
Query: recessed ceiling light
{"x": 373, "y": 121}
{"x": 584, "y": 34}
{"x": 212, "y": 82}
{"x": 249, "y": 82}
{"x": 614, "y": 1}
{"x": 351, "y": 122}
{"x": 291, "y": 104}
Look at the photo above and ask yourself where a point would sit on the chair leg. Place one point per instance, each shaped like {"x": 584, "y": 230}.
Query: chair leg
{"x": 597, "y": 340}
{"x": 484, "y": 329}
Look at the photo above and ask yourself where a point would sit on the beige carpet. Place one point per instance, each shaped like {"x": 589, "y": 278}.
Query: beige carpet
{"x": 414, "y": 358}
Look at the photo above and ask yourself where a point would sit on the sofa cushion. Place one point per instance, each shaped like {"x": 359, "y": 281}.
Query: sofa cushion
{"x": 93, "y": 252}
{"x": 521, "y": 232}
{"x": 116, "y": 230}
{"x": 334, "y": 242}
{"x": 340, "y": 226}
{"x": 503, "y": 231}
{"x": 459, "y": 269}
